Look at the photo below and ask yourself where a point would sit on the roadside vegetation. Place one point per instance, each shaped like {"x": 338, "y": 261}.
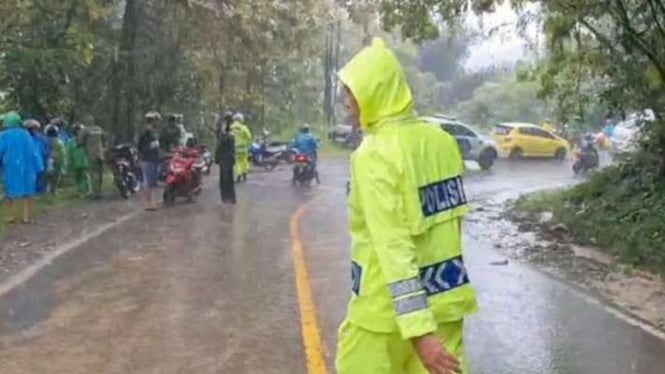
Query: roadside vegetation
{"x": 619, "y": 210}
{"x": 602, "y": 56}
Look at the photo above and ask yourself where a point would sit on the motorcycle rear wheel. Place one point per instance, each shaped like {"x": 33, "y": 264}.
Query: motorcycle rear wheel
{"x": 169, "y": 196}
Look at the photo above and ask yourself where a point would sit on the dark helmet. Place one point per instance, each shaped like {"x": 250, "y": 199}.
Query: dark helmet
{"x": 304, "y": 128}
{"x": 78, "y": 127}
{"x": 61, "y": 123}
{"x": 52, "y": 131}
{"x": 192, "y": 142}
{"x": 153, "y": 116}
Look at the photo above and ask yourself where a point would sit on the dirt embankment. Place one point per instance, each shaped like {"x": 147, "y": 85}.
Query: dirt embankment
{"x": 550, "y": 247}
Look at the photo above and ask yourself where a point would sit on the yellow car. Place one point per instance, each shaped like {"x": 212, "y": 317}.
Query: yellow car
{"x": 518, "y": 140}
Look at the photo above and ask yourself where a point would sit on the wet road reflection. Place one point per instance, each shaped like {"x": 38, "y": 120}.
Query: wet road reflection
{"x": 202, "y": 289}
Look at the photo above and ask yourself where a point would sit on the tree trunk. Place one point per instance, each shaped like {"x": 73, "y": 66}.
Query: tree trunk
{"x": 124, "y": 69}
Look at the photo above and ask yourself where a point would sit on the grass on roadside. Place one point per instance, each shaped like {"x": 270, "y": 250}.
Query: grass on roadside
{"x": 623, "y": 213}
{"x": 329, "y": 149}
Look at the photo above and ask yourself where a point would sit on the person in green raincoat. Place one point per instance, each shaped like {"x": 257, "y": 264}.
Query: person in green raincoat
{"x": 57, "y": 164}
{"x": 410, "y": 288}
{"x": 243, "y": 139}
{"x": 79, "y": 167}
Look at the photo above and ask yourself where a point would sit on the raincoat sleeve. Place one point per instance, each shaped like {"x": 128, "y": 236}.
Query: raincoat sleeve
{"x": 248, "y": 134}
{"x": 3, "y": 149}
{"x": 377, "y": 183}
{"x": 38, "y": 152}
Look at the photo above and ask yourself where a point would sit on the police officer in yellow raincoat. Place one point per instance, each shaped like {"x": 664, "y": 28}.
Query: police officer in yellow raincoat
{"x": 410, "y": 287}
{"x": 243, "y": 139}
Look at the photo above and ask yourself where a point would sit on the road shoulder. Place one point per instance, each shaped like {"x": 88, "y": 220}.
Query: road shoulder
{"x": 636, "y": 293}
{"x": 23, "y": 246}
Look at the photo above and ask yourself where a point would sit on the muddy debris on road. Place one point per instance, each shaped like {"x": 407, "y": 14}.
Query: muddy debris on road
{"x": 549, "y": 247}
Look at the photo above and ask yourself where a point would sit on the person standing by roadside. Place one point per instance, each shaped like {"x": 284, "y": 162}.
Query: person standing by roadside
{"x": 225, "y": 158}
{"x": 410, "y": 288}
{"x": 148, "y": 148}
{"x": 93, "y": 140}
{"x": 58, "y": 160}
{"x": 21, "y": 163}
{"x": 243, "y": 139}
{"x": 34, "y": 127}
{"x": 63, "y": 130}
{"x": 78, "y": 161}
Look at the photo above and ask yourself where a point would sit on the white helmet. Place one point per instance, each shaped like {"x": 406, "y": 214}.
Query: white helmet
{"x": 239, "y": 117}
{"x": 153, "y": 116}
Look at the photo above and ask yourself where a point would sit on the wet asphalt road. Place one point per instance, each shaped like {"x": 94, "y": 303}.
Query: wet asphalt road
{"x": 204, "y": 289}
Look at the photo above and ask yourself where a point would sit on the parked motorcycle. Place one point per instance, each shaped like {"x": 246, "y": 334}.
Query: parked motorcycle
{"x": 206, "y": 158}
{"x": 268, "y": 157}
{"x": 184, "y": 177}
{"x": 304, "y": 170}
{"x": 126, "y": 174}
{"x": 586, "y": 160}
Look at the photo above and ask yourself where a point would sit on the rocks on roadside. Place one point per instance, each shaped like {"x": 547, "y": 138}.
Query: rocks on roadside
{"x": 560, "y": 228}
{"x": 545, "y": 217}
{"x": 499, "y": 263}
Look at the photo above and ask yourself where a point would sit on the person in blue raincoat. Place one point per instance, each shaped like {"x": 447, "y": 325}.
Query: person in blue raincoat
{"x": 20, "y": 162}
{"x": 44, "y": 146}
{"x": 306, "y": 143}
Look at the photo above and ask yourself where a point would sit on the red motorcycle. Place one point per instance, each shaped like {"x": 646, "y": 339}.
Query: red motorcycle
{"x": 184, "y": 177}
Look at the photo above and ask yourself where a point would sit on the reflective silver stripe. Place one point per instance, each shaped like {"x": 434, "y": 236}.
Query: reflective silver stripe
{"x": 405, "y": 287}
{"x": 410, "y": 304}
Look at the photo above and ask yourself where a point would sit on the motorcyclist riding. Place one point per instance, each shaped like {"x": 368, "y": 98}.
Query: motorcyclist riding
{"x": 306, "y": 143}
{"x": 173, "y": 135}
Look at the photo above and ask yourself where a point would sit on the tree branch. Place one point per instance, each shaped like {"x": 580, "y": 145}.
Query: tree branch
{"x": 655, "y": 18}
{"x": 639, "y": 43}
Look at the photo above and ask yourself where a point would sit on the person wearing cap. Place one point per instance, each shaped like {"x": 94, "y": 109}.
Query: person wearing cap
{"x": 21, "y": 163}
{"x": 149, "y": 156}
{"x": 410, "y": 289}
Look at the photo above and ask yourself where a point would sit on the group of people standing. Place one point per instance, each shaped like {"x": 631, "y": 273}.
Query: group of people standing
{"x": 35, "y": 159}
{"x": 232, "y": 152}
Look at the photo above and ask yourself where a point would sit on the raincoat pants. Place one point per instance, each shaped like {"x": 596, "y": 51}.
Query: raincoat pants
{"x": 58, "y": 162}
{"x": 225, "y": 157}
{"x": 21, "y": 160}
{"x": 406, "y": 203}
{"x": 79, "y": 168}
{"x": 44, "y": 147}
{"x": 94, "y": 147}
{"x": 243, "y": 139}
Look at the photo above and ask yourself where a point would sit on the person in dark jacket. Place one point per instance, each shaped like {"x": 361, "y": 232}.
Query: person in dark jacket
{"x": 148, "y": 148}
{"x": 225, "y": 158}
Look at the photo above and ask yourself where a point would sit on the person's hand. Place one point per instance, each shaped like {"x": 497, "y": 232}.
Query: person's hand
{"x": 434, "y": 356}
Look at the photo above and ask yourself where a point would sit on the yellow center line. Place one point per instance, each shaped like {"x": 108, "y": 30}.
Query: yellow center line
{"x": 311, "y": 332}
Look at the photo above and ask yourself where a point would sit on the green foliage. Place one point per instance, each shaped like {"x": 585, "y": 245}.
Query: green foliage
{"x": 620, "y": 209}
{"x": 506, "y": 99}
{"x": 116, "y": 60}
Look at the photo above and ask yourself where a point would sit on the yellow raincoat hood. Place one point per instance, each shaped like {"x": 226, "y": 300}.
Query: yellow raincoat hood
{"x": 377, "y": 81}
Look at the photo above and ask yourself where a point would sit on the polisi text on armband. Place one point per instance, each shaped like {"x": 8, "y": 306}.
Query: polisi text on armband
{"x": 441, "y": 196}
